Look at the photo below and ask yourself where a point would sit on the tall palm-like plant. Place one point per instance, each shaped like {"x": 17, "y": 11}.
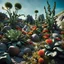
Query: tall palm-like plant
{"x": 36, "y": 11}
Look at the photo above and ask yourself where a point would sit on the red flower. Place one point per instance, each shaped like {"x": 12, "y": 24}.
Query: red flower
{"x": 47, "y": 35}
{"x": 34, "y": 28}
{"x": 48, "y": 41}
{"x": 41, "y": 52}
{"x": 45, "y": 30}
{"x": 41, "y": 60}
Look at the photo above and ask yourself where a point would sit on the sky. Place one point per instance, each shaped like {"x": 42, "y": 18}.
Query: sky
{"x": 29, "y": 6}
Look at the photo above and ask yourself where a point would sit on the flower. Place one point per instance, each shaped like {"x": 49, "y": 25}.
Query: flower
{"x": 24, "y": 32}
{"x": 48, "y": 41}
{"x": 8, "y": 5}
{"x": 18, "y": 6}
{"x": 46, "y": 36}
{"x": 30, "y": 33}
{"x": 41, "y": 60}
{"x": 41, "y": 52}
{"x": 34, "y": 28}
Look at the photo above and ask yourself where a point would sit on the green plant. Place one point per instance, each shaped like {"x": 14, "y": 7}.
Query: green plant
{"x": 36, "y": 11}
{"x": 13, "y": 16}
{"x": 13, "y": 35}
{"x": 18, "y": 6}
{"x": 1, "y": 26}
{"x": 8, "y": 5}
{"x": 50, "y": 16}
{"x": 53, "y": 50}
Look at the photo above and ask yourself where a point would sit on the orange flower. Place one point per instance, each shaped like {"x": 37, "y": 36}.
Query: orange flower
{"x": 45, "y": 30}
{"x": 41, "y": 60}
{"x": 41, "y": 52}
{"x": 48, "y": 41}
{"x": 46, "y": 36}
{"x": 34, "y": 28}
{"x": 30, "y": 33}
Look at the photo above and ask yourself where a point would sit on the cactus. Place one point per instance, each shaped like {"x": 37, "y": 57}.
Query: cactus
{"x": 50, "y": 16}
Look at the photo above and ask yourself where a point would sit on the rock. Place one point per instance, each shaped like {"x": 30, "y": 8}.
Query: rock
{"x": 27, "y": 51}
{"x": 20, "y": 54}
{"x": 18, "y": 44}
{"x": 35, "y": 38}
{"x": 3, "y": 47}
{"x": 13, "y": 50}
{"x": 16, "y": 60}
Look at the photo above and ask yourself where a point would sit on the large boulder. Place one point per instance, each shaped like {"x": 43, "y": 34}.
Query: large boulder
{"x": 35, "y": 38}
{"x": 13, "y": 50}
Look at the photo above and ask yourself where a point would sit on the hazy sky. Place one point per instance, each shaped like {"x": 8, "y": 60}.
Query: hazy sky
{"x": 28, "y": 6}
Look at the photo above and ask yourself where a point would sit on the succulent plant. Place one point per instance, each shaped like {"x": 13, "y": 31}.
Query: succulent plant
{"x": 13, "y": 35}
{"x": 53, "y": 49}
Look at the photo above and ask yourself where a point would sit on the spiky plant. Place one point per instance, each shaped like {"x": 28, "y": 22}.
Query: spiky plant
{"x": 50, "y": 15}
{"x": 13, "y": 35}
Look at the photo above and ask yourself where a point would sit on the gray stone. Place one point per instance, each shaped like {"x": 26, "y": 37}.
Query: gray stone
{"x": 27, "y": 51}
{"x": 35, "y": 38}
{"x": 3, "y": 47}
